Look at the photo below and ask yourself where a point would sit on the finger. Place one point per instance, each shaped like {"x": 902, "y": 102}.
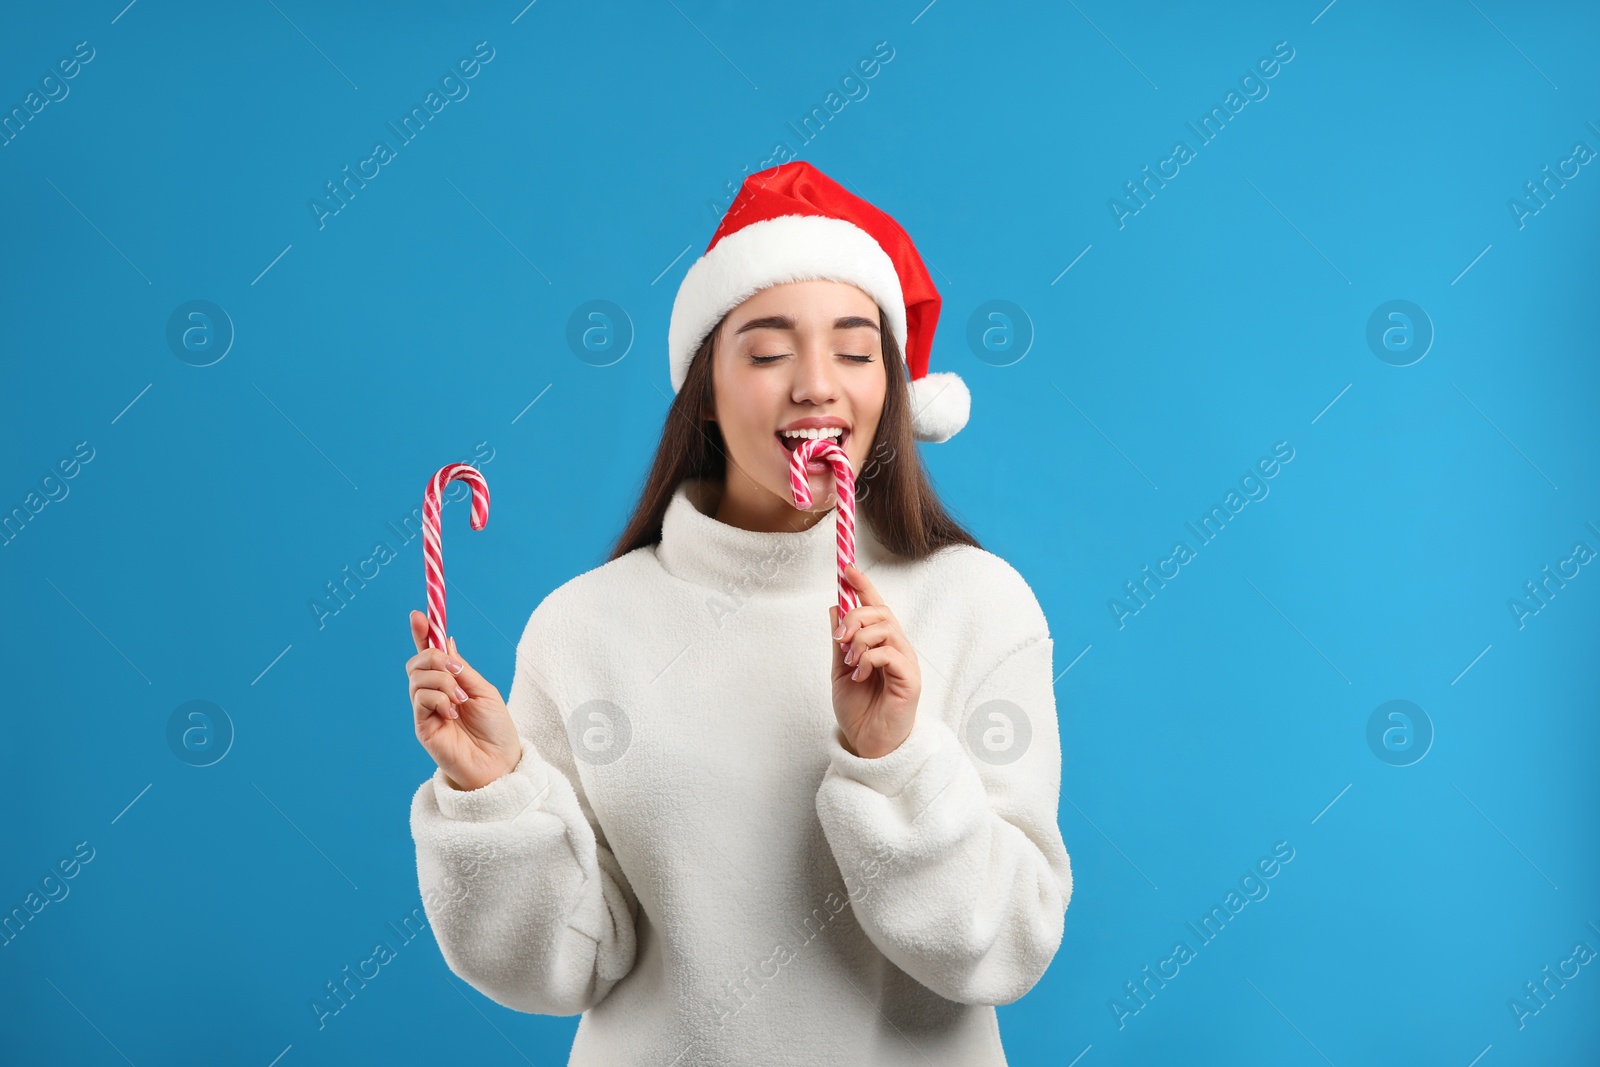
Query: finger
{"x": 880, "y": 633}
{"x": 440, "y": 681}
{"x": 473, "y": 682}
{"x": 430, "y": 659}
{"x": 419, "y": 629}
{"x": 863, "y": 615}
{"x": 852, "y": 618}
{"x": 863, "y": 668}
{"x": 883, "y": 657}
{"x": 863, "y": 585}
{"x": 427, "y": 702}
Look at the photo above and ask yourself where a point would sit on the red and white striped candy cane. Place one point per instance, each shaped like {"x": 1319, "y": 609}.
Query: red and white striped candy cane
{"x": 433, "y": 549}
{"x": 844, "y": 481}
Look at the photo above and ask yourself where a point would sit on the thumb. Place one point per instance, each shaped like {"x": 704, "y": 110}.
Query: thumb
{"x": 419, "y": 629}
{"x": 469, "y": 679}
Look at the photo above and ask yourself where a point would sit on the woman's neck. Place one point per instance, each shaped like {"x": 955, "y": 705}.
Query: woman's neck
{"x": 753, "y": 507}
{"x": 697, "y": 546}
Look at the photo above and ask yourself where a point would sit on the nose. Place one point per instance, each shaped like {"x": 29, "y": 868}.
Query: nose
{"x": 814, "y": 374}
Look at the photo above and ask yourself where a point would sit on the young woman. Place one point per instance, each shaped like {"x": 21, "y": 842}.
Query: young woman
{"x": 685, "y": 824}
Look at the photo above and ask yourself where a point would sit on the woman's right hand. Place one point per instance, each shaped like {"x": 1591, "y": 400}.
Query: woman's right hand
{"x": 473, "y": 740}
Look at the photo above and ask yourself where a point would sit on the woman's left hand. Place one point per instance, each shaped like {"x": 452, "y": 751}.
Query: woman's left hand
{"x": 876, "y": 710}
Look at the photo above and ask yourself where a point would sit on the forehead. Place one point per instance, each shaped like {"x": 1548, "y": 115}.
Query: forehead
{"x": 811, "y": 302}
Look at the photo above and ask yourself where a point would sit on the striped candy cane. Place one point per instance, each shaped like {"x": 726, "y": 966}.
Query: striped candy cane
{"x": 844, "y": 480}
{"x": 432, "y": 548}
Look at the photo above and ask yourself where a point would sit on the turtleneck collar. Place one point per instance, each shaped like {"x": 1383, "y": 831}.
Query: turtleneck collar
{"x": 696, "y": 547}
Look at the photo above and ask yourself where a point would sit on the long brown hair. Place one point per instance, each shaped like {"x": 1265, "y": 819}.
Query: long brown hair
{"x": 892, "y": 488}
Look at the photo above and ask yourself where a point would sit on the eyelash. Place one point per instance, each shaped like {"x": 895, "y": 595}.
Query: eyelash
{"x": 762, "y": 360}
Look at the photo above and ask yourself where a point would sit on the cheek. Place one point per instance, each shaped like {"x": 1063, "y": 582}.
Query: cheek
{"x": 752, "y": 437}
{"x": 749, "y": 407}
{"x": 866, "y": 402}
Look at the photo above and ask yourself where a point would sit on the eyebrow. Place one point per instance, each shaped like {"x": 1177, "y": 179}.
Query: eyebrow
{"x": 784, "y": 322}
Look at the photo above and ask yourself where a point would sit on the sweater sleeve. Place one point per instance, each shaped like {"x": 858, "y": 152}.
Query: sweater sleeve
{"x": 526, "y": 901}
{"x": 950, "y": 848}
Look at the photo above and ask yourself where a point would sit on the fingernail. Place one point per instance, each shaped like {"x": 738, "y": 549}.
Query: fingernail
{"x": 452, "y": 713}
{"x": 461, "y": 694}
{"x": 850, "y": 655}
{"x": 857, "y": 674}
{"x": 839, "y": 632}
{"x": 455, "y": 668}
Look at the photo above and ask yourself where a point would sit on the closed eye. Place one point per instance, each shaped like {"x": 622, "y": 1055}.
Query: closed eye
{"x": 762, "y": 360}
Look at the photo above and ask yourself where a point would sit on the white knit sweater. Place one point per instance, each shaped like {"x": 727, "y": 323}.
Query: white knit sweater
{"x": 688, "y": 855}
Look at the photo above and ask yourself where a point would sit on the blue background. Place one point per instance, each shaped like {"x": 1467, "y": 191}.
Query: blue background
{"x": 591, "y": 161}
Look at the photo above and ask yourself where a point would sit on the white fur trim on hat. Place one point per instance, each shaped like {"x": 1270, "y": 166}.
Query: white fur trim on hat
{"x": 789, "y": 248}
{"x": 940, "y": 405}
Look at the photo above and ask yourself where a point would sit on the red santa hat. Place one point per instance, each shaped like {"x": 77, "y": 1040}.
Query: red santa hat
{"x": 794, "y": 223}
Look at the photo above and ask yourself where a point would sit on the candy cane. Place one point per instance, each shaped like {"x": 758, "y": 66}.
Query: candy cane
{"x": 844, "y": 481}
{"x": 432, "y": 547}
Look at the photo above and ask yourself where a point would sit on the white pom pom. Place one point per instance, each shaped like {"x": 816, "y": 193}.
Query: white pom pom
{"x": 940, "y": 405}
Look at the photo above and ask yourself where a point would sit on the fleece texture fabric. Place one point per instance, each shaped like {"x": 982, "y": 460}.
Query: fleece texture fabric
{"x": 687, "y": 854}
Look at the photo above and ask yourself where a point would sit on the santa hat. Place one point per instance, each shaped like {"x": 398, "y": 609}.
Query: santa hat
{"x": 794, "y": 223}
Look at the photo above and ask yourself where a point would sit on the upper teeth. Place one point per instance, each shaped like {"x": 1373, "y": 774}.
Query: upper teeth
{"x": 826, "y": 431}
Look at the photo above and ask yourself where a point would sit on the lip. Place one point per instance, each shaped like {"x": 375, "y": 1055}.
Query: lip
{"x": 812, "y": 422}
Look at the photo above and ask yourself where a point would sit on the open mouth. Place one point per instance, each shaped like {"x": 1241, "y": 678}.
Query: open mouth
{"x": 792, "y": 443}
